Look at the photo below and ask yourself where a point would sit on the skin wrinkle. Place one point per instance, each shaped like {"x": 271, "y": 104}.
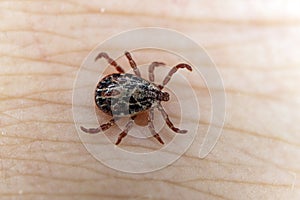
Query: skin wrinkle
{"x": 10, "y": 116}
{"x": 235, "y": 92}
{"x": 198, "y": 190}
{"x": 245, "y": 182}
{"x": 256, "y": 40}
{"x": 261, "y": 135}
{"x": 159, "y": 180}
{"x": 81, "y": 51}
{"x": 79, "y": 142}
{"x": 42, "y": 101}
{"x": 258, "y": 68}
{"x": 229, "y": 128}
{"x": 228, "y": 164}
{"x": 56, "y": 163}
{"x": 38, "y": 121}
{"x": 78, "y": 180}
{"x": 83, "y": 194}
{"x": 256, "y": 95}
{"x": 66, "y": 194}
{"x": 47, "y": 32}
{"x": 93, "y": 166}
{"x": 237, "y": 182}
{"x": 46, "y": 57}
{"x": 69, "y": 65}
{"x": 222, "y": 180}
{"x": 41, "y": 92}
{"x": 266, "y": 22}
{"x": 269, "y": 162}
{"x": 23, "y": 109}
{"x": 65, "y": 74}
{"x": 224, "y": 65}
{"x": 187, "y": 156}
{"x": 43, "y": 60}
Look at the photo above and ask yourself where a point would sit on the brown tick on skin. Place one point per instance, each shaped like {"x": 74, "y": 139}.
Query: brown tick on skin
{"x": 128, "y": 95}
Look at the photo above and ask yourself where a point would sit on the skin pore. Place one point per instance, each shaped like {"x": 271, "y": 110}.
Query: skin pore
{"x": 43, "y": 44}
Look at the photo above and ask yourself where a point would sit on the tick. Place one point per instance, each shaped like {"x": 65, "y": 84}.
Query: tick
{"x": 129, "y": 95}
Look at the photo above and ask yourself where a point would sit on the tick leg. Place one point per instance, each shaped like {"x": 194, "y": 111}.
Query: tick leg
{"x": 172, "y": 71}
{"x": 110, "y": 61}
{"x": 151, "y": 69}
{"x": 132, "y": 64}
{"x": 125, "y": 131}
{"x": 151, "y": 126}
{"x": 102, "y": 127}
{"x": 168, "y": 121}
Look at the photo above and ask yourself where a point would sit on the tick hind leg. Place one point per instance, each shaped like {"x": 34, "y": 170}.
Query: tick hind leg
{"x": 110, "y": 61}
{"x": 125, "y": 131}
{"x": 168, "y": 121}
{"x": 151, "y": 126}
{"x": 132, "y": 64}
{"x": 102, "y": 127}
{"x": 151, "y": 69}
{"x": 173, "y": 71}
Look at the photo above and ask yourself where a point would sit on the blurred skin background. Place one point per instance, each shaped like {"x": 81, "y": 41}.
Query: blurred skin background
{"x": 255, "y": 45}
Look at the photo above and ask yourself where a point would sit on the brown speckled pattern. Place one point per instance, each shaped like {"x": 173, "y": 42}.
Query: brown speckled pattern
{"x": 123, "y": 95}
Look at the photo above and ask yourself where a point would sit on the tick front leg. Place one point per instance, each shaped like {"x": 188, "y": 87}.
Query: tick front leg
{"x": 132, "y": 64}
{"x": 125, "y": 131}
{"x": 151, "y": 126}
{"x": 173, "y": 71}
{"x": 102, "y": 127}
{"x": 110, "y": 61}
{"x": 151, "y": 69}
{"x": 168, "y": 121}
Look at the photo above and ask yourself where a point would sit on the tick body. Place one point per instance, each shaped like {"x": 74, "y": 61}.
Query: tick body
{"x": 123, "y": 95}
{"x": 128, "y": 95}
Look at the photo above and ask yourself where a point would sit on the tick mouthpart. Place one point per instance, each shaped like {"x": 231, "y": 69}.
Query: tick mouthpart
{"x": 163, "y": 96}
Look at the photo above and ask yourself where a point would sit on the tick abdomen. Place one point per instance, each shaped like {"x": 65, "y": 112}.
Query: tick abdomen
{"x": 123, "y": 95}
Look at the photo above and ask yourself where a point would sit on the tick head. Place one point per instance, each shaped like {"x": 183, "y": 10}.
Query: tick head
{"x": 163, "y": 96}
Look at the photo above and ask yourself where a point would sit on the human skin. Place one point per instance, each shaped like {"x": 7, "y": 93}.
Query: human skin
{"x": 255, "y": 46}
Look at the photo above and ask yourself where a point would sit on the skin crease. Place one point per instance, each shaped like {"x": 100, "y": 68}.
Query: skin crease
{"x": 256, "y": 48}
